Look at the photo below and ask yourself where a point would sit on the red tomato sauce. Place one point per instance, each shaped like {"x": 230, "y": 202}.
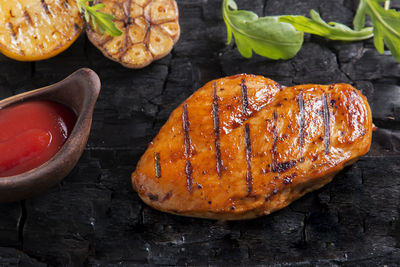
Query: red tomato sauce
{"x": 31, "y": 133}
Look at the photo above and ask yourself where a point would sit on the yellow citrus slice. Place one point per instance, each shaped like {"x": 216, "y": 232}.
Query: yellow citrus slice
{"x": 150, "y": 30}
{"x": 38, "y": 29}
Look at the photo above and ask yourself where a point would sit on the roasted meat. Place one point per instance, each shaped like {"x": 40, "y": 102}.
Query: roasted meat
{"x": 244, "y": 146}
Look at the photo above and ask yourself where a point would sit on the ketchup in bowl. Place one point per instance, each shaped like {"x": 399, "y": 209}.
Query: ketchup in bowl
{"x": 31, "y": 133}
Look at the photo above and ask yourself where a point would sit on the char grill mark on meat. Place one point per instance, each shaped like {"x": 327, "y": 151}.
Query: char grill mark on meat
{"x": 275, "y": 141}
{"x": 157, "y": 165}
{"x": 282, "y": 167}
{"x": 245, "y": 99}
{"x": 215, "y": 112}
{"x": 301, "y": 124}
{"x": 188, "y": 167}
{"x": 249, "y": 176}
{"x": 189, "y": 177}
{"x": 326, "y": 117}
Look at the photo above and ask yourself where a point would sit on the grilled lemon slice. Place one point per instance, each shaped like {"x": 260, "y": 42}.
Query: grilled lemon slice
{"x": 150, "y": 30}
{"x": 38, "y": 29}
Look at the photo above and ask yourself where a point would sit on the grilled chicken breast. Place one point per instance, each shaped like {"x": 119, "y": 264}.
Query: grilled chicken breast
{"x": 244, "y": 146}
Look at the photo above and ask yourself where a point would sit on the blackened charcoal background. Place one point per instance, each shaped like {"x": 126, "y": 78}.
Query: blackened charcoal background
{"x": 94, "y": 218}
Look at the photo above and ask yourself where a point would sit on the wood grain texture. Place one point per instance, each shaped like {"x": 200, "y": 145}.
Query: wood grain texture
{"x": 94, "y": 217}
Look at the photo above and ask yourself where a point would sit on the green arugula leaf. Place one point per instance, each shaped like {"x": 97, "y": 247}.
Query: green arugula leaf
{"x": 359, "y": 18}
{"x": 265, "y": 36}
{"x": 386, "y": 24}
{"x": 102, "y": 21}
{"x": 281, "y": 37}
{"x": 332, "y": 30}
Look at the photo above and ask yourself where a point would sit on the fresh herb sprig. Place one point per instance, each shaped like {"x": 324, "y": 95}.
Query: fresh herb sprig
{"x": 265, "y": 36}
{"x": 102, "y": 21}
{"x": 254, "y": 34}
{"x": 386, "y": 24}
{"x": 332, "y": 30}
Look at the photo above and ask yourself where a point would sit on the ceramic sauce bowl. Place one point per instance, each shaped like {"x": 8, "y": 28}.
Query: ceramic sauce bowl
{"x": 79, "y": 92}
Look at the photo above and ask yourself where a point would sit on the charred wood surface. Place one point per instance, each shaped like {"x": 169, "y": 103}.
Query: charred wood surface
{"x": 94, "y": 218}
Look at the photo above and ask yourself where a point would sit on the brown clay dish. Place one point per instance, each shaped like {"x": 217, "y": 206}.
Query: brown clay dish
{"x": 79, "y": 92}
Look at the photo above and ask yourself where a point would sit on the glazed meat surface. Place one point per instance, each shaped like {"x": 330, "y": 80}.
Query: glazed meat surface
{"x": 244, "y": 146}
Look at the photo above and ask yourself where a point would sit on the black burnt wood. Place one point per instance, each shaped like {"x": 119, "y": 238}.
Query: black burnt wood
{"x": 94, "y": 218}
